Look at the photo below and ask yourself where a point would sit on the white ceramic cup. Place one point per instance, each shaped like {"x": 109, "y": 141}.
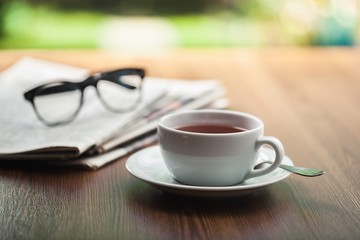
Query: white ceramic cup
{"x": 214, "y": 159}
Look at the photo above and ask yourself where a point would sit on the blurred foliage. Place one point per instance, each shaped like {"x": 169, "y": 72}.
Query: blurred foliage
{"x": 41, "y": 27}
{"x": 200, "y": 23}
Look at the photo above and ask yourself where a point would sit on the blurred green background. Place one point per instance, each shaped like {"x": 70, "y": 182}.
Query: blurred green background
{"x": 157, "y": 24}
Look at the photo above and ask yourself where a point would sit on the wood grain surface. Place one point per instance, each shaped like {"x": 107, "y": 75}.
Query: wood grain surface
{"x": 308, "y": 97}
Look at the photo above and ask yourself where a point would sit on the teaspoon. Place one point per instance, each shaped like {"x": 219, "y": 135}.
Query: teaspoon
{"x": 307, "y": 172}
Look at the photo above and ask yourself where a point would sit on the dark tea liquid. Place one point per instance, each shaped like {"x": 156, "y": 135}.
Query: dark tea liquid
{"x": 211, "y": 128}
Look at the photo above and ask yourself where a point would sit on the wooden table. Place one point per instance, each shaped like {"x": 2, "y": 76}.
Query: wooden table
{"x": 308, "y": 98}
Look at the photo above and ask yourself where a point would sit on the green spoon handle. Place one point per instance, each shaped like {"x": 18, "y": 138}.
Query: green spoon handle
{"x": 308, "y": 172}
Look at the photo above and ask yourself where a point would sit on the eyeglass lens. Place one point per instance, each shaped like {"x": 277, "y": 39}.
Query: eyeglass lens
{"x": 54, "y": 107}
{"x": 122, "y": 94}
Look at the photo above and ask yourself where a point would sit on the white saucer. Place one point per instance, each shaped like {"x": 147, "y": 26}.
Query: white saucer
{"x": 148, "y": 165}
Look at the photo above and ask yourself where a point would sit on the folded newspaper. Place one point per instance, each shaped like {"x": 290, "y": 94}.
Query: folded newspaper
{"x": 97, "y": 136}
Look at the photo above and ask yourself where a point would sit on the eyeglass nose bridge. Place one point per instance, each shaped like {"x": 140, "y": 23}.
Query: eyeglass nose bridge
{"x": 90, "y": 81}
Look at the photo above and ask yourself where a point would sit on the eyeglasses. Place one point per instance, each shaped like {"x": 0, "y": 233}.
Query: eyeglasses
{"x": 59, "y": 102}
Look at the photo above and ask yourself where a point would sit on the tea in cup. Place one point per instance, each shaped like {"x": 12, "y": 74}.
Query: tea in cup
{"x": 214, "y": 147}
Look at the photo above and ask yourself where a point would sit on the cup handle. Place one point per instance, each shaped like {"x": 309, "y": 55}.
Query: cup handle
{"x": 279, "y": 155}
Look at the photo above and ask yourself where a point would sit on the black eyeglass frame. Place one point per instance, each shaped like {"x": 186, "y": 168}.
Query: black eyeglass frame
{"x": 93, "y": 80}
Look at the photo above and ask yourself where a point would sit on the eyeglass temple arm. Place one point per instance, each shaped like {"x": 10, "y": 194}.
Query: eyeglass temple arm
{"x": 115, "y": 76}
{"x": 130, "y": 71}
